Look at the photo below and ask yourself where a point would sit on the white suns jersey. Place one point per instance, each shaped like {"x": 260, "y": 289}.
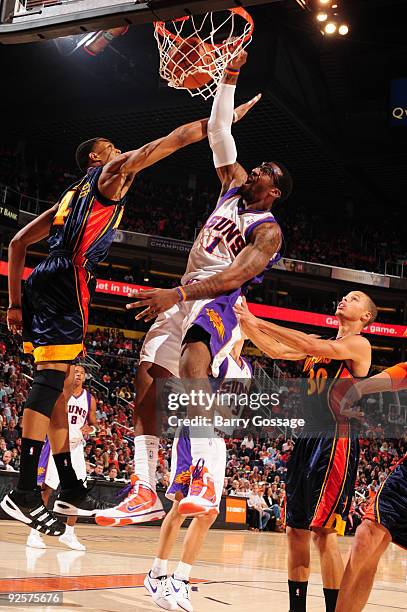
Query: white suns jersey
{"x": 223, "y": 236}
{"x": 234, "y": 381}
{"x": 78, "y": 410}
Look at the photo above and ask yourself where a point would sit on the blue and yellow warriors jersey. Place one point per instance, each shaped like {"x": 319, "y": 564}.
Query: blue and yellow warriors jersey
{"x": 85, "y": 223}
{"x": 326, "y": 382}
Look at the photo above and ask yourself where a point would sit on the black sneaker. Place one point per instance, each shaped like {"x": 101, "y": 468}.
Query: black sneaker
{"x": 28, "y": 507}
{"x": 79, "y": 502}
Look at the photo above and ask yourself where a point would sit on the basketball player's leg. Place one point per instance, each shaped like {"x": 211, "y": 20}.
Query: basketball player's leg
{"x": 24, "y": 503}
{"x": 326, "y": 542}
{"x": 195, "y": 362}
{"x": 370, "y": 542}
{"x": 299, "y": 567}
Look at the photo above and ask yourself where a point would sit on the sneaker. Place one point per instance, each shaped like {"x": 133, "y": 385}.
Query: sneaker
{"x": 28, "y": 507}
{"x": 161, "y": 592}
{"x": 182, "y": 593}
{"x": 35, "y": 540}
{"x": 201, "y": 498}
{"x": 141, "y": 505}
{"x": 78, "y": 502}
{"x": 70, "y": 540}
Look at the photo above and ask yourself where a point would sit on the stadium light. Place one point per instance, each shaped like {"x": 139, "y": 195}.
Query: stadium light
{"x": 324, "y": 1}
{"x": 322, "y": 17}
{"x": 343, "y": 30}
{"x": 330, "y": 28}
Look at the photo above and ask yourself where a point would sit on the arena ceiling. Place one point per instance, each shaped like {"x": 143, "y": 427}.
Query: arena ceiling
{"x": 324, "y": 112}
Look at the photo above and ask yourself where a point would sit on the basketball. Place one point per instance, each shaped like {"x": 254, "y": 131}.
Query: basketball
{"x": 189, "y": 56}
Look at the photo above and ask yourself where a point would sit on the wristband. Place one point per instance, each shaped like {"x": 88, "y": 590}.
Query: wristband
{"x": 12, "y": 307}
{"x": 93, "y": 430}
{"x": 232, "y": 70}
{"x": 181, "y": 293}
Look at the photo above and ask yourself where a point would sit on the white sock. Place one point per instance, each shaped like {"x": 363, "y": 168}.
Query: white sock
{"x": 145, "y": 458}
{"x": 69, "y": 530}
{"x": 182, "y": 571}
{"x": 202, "y": 448}
{"x": 159, "y": 567}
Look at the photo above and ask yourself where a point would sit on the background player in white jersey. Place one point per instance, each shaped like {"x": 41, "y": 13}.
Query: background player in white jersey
{"x": 197, "y": 326}
{"x": 81, "y": 409}
{"x": 171, "y": 592}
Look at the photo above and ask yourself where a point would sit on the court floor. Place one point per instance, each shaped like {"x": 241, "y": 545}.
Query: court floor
{"x": 238, "y": 570}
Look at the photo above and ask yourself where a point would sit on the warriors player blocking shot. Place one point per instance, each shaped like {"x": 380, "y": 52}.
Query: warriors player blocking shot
{"x": 322, "y": 470}
{"x": 386, "y": 517}
{"x": 171, "y": 592}
{"x": 81, "y": 420}
{"x": 196, "y": 327}
{"x": 53, "y": 315}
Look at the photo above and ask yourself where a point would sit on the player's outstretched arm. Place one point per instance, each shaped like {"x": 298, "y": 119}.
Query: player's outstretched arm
{"x": 30, "y": 234}
{"x": 117, "y": 175}
{"x": 251, "y": 261}
{"x": 349, "y": 348}
{"x": 265, "y": 342}
{"x": 220, "y": 137}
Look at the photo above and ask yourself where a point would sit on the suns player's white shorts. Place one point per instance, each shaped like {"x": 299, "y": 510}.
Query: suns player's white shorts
{"x": 181, "y": 461}
{"x": 51, "y": 478}
{"x": 162, "y": 343}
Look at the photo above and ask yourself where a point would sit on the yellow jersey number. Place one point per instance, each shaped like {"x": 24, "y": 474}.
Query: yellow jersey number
{"x": 63, "y": 209}
{"x": 317, "y": 381}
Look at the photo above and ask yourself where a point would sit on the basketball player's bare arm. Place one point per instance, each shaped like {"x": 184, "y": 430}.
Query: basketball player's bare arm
{"x": 90, "y": 426}
{"x": 30, "y": 234}
{"x": 118, "y": 175}
{"x": 351, "y": 348}
{"x": 391, "y": 379}
{"x": 266, "y": 343}
{"x": 251, "y": 261}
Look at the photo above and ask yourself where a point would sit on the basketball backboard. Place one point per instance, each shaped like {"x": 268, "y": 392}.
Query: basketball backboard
{"x": 34, "y": 20}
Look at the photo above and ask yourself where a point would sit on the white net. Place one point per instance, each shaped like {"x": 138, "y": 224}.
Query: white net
{"x": 194, "y": 51}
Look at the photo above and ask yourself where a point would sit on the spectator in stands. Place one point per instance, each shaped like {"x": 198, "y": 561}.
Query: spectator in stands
{"x": 6, "y": 463}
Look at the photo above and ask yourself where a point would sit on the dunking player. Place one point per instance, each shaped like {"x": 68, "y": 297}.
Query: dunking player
{"x": 53, "y": 314}
{"x": 322, "y": 470}
{"x": 235, "y": 375}
{"x": 386, "y": 518}
{"x": 196, "y": 326}
{"x": 81, "y": 420}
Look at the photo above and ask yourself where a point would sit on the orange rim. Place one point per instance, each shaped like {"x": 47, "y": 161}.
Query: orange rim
{"x": 163, "y": 31}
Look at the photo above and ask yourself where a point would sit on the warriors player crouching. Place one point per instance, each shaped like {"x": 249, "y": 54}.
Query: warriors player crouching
{"x": 81, "y": 420}
{"x": 171, "y": 592}
{"x": 386, "y": 517}
{"x": 197, "y": 327}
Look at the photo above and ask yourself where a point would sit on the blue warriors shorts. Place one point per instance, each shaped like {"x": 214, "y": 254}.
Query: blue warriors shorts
{"x": 321, "y": 475}
{"x": 55, "y": 308}
{"x": 389, "y": 506}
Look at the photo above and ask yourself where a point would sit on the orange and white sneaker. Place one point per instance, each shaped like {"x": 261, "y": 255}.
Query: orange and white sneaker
{"x": 140, "y": 506}
{"x": 201, "y": 498}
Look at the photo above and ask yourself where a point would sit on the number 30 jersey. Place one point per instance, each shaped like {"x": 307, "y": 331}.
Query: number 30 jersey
{"x": 326, "y": 382}
{"x": 224, "y": 235}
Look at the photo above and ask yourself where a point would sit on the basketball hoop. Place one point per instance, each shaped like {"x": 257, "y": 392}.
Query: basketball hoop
{"x": 195, "y": 50}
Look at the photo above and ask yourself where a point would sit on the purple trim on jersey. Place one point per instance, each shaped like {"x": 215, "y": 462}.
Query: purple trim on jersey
{"x": 184, "y": 462}
{"x": 43, "y": 462}
{"x": 249, "y": 365}
{"x": 251, "y": 227}
{"x": 228, "y": 194}
{"x": 219, "y": 319}
{"x": 89, "y": 397}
